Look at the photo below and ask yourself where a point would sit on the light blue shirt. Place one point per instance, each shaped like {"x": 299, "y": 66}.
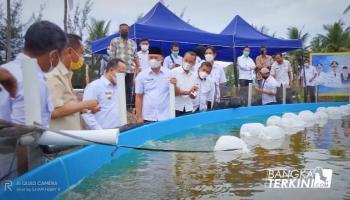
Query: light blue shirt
{"x": 105, "y": 93}
{"x": 155, "y": 90}
{"x": 13, "y": 108}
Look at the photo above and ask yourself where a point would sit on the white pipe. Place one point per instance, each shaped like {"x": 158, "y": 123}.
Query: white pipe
{"x": 171, "y": 100}
{"x": 250, "y": 88}
{"x": 31, "y": 91}
{"x": 284, "y": 94}
{"x": 105, "y": 136}
{"x": 121, "y": 98}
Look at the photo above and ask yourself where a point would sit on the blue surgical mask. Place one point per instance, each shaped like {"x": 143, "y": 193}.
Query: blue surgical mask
{"x": 246, "y": 53}
{"x": 175, "y": 53}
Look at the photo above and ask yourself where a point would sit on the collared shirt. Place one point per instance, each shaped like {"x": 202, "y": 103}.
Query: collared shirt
{"x": 261, "y": 62}
{"x": 155, "y": 90}
{"x": 345, "y": 78}
{"x": 168, "y": 62}
{"x": 143, "y": 57}
{"x": 333, "y": 79}
{"x": 61, "y": 93}
{"x": 280, "y": 72}
{"x": 184, "y": 81}
{"x": 127, "y": 51}
{"x": 105, "y": 93}
{"x": 246, "y": 66}
{"x": 206, "y": 90}
{"x": 321, "y": 78}
{"x": 269, "y": 84}
{"x": 15, "y": 106}
{"x": 217, "y": 76}
{"x": 310, "y": 72}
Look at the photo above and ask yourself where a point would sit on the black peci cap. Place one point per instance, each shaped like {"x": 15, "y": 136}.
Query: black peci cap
{"x": 155, "y": 50}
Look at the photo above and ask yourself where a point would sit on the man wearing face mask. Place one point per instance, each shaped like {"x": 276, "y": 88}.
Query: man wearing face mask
{"x": 174, "y": 59}
{"x": 262, "y": 60}
{"x": 268, "y": 88}
{"x": 185, "y": 88}
{"x": 104, "y": 90}
{"x": 217, "y": 74}
{"x": 246, "y": 65}
{"x": 67, "y": 108}
{"x": 206, "y": 88}
{"x": 44, "y": 42}
{"x": 152, "y": 90}
{"x": 126, "y": 49}
{"x": 308, "y": 77}
{"x": 143, "y": 54}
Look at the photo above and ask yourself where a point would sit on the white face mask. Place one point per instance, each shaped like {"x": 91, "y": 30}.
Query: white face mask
{"x": 144, "y": 47}
{"x": 187, "y": 66}
{"x": 153, "y": 63}
{"x": 209, "y": 57}
{"x": 203, "y": 75}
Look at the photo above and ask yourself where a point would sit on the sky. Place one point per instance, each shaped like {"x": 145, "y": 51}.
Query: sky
{"x": 212, "y": 16}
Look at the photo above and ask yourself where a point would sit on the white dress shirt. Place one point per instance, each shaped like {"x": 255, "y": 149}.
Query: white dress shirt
{"x": 206, "y": 90}
{"x": 269, "y": 84}
{"x": 321, "y": 78}
{"x": 168, "y": 62}
{"x": 184, "y": 81}
{"x": 105, "y": 93}
{"x": 217, "y": 76}
{"x": 280, "y": 72}
{"x": 333, "y": 79}
{"x": 15, "y": 106}
{"x": 310, "y": 72}
{"x": 143, "y": 57}
{"x": 155, "y": 90}
{"x": 245, "y": 66}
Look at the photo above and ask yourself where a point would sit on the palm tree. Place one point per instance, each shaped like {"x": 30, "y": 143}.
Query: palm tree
{"x": 295, "y": 33}
{"x": 97, "y": 29}
{"x": 347, "y": 10}
{"x": 337, "y": 38}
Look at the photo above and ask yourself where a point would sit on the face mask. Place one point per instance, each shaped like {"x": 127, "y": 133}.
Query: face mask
{"x": 153, "y": 63}
{"x": 203, "y": 75}
{"x": 246, "y": 53}
{"x": 187, "y": 66}
{"x": 51, "y": 67}
{"x": 209, "y": 57}
{"x": 306, "y": 64}
{"x": 175, "y": 53}
{"x": 144, "y": 47}
{"x": 124, "y": 35}
{"x": 77, "y": 65}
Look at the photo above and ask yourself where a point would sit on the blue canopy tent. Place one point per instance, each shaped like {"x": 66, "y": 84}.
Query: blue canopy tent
{"x": 244, "y": 34}
{"x": 162, "y": 28}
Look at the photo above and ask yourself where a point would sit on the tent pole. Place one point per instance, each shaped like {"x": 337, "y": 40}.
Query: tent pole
{"x": 235, "y": 71}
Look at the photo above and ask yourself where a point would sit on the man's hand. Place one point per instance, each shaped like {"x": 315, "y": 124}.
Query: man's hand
{"x": 258, "y": 89}
{"x": 8, "y": 82}
{"x": 139, "y": 119}
{"x": 92, "y": 105}
{"x": 194, "y": 89}
{"x": 173, "y": 81}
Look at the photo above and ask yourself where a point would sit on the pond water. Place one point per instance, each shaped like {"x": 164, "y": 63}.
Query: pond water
{"x": 161, "y": 175}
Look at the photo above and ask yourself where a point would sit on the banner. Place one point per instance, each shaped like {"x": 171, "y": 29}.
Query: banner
{"x": 333, "y": 72}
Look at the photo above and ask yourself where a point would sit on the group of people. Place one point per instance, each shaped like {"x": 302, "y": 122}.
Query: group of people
{"x": 148, "y": 78}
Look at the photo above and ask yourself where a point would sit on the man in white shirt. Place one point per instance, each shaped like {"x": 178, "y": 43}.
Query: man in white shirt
{"x": 333, "y": 76}
{"x": 185, "y": 88}
{"x": 143, "y": 54}
{"x": 282, "y": 71}
{"x": 309, "y": 82}
{"x": 268, "y": 88}
{"x": 8, "y": 84}
{"x": 217, "y": 74}
{"x": 104, "y": 90}
{"x": 152, "y": 90}
{"x": 44, "y": 42}
{"x": 246, "y": 66}
{"x": 174, "y": 59}
{"x": 206, "y": 88}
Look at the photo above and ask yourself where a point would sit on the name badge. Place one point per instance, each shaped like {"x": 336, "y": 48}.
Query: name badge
{"x": 108, "y": 95}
